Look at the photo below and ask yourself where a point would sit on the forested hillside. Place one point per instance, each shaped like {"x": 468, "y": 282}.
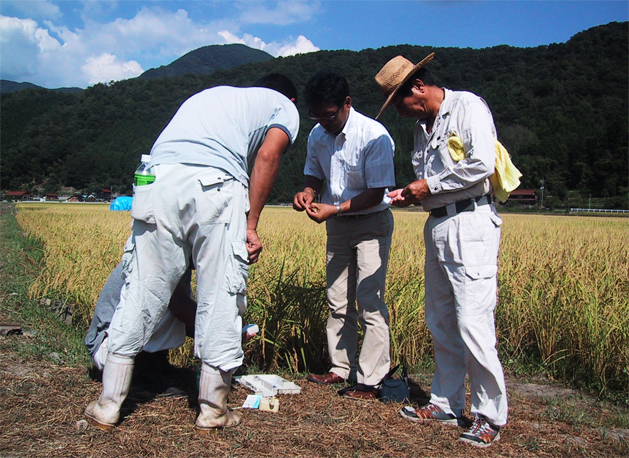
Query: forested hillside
{"x": 7, "y": 86}
{"x": 561, "y": 110}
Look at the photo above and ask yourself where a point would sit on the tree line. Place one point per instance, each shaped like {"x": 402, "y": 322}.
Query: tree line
{"x": 561, "y": 110}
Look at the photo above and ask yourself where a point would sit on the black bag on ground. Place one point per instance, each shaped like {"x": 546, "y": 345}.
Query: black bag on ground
{"x": 395, "y": 389}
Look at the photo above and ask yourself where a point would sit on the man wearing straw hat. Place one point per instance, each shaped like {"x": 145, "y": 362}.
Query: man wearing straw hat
{"x": 462, "y": 236}
{"x": 353, "y": 155}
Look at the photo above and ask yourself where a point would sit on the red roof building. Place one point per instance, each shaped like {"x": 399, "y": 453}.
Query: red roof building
{"x": 18, "y": 195}
{"x": 523, "y": 197}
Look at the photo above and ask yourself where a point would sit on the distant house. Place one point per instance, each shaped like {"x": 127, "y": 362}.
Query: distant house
{"x": 51, "y": 196}
{"x": 523, "y": 197}
{"x": 104, "y": 195}
{"x": 18, "y": 195}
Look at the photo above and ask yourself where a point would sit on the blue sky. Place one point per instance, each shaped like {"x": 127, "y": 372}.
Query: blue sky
{"x": 80, "y": 43}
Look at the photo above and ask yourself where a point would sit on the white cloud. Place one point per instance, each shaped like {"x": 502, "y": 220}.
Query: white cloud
{"x": 107, "y": 67}
{"x": 249, "y": 40}
{"x": 22, "y": 42}
{"x": 151, "y": 34}
{"x": 67, "y": 37}
{"x": 300, "y": 46}
{"x": 53, "y": 54}
{"x": 45, "y": 42}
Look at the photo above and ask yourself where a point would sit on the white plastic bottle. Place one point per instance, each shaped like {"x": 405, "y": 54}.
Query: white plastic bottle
{"x": 144, "y": 173}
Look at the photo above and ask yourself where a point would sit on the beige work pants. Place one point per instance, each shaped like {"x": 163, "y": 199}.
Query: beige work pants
{"x": 357, "y": 258}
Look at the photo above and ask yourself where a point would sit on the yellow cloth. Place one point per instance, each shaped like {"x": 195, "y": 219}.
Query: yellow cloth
{"x": 506, "y": 176}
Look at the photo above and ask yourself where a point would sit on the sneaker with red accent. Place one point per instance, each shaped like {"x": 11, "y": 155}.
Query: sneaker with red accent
{"x": 431, "y": 412}
{"x": 481, "y": 434}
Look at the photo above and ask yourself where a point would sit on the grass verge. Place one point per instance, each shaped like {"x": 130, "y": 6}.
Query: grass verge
{"x": 46, "y": 336}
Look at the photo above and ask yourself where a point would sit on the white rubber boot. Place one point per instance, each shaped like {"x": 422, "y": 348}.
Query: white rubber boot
{"x": 117, "y": 373}
{"x": 214, "y": 386}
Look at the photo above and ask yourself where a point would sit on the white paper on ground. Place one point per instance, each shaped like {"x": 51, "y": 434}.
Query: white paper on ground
{"x": 252, "y": 401}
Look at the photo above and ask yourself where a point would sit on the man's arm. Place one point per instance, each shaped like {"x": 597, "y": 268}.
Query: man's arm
{"x": 366, "y": 199}
{"x": 312, "y": 188}
{"x": 262, "y": 179}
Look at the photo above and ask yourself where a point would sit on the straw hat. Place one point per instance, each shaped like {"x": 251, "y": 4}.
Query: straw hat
{"x": 394, "y": 74}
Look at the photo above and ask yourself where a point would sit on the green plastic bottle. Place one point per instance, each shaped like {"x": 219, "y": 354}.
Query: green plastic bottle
{"x": 144, "y": 173}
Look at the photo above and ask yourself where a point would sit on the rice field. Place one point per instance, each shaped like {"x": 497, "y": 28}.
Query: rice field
{"x": 563, "y": 288}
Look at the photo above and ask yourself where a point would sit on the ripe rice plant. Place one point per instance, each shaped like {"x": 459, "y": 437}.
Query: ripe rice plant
{"x": 564, "y": 297}
{"x": 563, "y": 287}
{"x": 82, "y": 245}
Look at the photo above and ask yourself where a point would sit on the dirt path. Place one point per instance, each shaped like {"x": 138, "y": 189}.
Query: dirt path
{"x": 42, "y": 408}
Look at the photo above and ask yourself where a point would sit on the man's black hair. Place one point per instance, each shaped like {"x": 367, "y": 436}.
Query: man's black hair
{"x": 421, "y": 74}
{"x": 327, "y": 86}
{"x": 278, "y": 82}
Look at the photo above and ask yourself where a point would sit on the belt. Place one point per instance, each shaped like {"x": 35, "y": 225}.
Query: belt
{"x": 466, "y": 205}
{"x": 362, "y": 215}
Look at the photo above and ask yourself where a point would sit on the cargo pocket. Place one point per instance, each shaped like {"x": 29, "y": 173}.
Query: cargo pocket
{"x": 480, "y": 289}
{"x": 212, "y": 205}
{"x": 238, "y": 270}
{"x": 142, "y": 206}
{"x": 496, "y": 220}
{"x": 481, "y": 272}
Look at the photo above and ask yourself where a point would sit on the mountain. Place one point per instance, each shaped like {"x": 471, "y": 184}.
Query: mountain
{"x": 7, "y": 87}
{"x": 202, "y": 61}
{"x": 561, "y": 110}
{"x": 208, "y": 59}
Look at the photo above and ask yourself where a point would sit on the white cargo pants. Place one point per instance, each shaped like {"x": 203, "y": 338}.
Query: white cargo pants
{"x": 189, "y": 212}
{"x": 461, "y": 287}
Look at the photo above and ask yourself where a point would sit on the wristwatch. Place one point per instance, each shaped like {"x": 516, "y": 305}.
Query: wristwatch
{"x": 338, "y": 209}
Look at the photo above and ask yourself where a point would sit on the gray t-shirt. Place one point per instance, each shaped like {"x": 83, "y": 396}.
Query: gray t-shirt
{"x": 223, "y": 127}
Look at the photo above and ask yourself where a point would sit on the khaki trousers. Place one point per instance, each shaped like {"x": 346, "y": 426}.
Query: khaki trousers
{"x": 357, "y": 259}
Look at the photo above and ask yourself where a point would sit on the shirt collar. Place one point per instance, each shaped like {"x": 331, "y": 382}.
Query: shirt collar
{"x": 347, "y": 128}
{"x": 446, "y": 105}
{"x": 444, "y": 110}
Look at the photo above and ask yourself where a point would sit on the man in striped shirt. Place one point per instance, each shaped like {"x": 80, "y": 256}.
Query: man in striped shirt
{"x": 353, "y": 155}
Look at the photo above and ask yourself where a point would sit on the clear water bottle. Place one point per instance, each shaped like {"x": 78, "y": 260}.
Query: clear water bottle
{"x": 144, "y": 173}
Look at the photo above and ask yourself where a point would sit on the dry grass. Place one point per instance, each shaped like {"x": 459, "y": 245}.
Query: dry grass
{"x": 43, "y": 404}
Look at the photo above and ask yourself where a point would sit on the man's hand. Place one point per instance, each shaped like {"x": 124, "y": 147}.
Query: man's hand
{"x": 302, "y": 200}
{"x": 416, "y": 191}
{"x": 254, "y": 246}
{"x": 397, "y": 200}
{"x": 321, "y": 212}
{"x": 312, "y": 188}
